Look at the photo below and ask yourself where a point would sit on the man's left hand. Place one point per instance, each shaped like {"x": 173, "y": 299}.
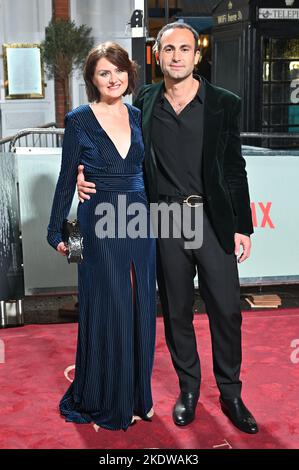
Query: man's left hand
{"x": 245, "y": 241}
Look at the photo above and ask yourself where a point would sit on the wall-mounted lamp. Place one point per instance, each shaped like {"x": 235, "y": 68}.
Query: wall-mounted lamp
{"x": 203, "y": 41}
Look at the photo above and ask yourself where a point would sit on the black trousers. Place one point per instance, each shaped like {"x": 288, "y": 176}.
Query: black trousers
{"x": 220, "y": 290}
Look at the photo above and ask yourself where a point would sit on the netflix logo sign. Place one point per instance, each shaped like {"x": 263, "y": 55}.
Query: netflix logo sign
{"x": 261, "y": 216}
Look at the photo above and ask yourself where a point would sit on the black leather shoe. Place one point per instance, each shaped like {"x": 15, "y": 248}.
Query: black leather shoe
{"x": 184, "y": 409}
{"x": 239, "y": 415}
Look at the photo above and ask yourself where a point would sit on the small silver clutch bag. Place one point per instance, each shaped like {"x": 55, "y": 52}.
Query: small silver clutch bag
{"x": 73, "y": 239}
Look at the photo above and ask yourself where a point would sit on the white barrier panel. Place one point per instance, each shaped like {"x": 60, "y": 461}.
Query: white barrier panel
{"x": 44, "y": 270}
{"x": 274, "y": 191}
{"x": 274, "y": 194}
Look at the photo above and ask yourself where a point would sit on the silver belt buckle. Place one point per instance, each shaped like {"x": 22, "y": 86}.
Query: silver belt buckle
{"x": 195, "y": 204}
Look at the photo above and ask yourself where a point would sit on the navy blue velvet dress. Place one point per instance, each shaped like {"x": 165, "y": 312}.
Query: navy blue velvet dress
{"x": 116, "y": 334}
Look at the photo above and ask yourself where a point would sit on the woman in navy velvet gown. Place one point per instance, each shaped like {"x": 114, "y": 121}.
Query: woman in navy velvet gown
{"x": 116, "y": 279}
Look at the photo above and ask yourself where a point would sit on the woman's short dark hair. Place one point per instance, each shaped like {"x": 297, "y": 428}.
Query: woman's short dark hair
{"x": 119, "y": 57}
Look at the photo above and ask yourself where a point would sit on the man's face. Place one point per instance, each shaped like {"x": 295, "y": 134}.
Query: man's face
{"x": 177, "y": 56}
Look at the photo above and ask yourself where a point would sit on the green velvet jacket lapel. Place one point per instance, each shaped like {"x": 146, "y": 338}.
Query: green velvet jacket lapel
{"x": 150, "y": 99}
{"x": 213, "y": 121}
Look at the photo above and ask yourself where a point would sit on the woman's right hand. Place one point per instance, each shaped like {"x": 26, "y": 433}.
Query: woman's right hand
{"x": 62, "y": 248}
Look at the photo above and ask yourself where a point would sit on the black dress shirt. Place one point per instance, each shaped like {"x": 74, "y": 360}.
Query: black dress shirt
{"x": 177, "y": 142}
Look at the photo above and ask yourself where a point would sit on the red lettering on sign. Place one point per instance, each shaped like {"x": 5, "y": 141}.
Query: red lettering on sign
{"x": 253, "y": 214}
{"x": 266, "y": 216}
{"x": 266, "y": 219}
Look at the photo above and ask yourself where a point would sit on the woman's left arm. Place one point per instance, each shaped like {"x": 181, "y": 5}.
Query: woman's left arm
{"x": 66, "y": 184}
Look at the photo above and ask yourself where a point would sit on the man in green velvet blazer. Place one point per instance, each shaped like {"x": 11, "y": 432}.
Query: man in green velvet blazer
{"x": 192, "y": 147}
{"x": 224, "y": 175}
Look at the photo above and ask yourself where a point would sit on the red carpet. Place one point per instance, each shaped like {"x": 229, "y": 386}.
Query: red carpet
{"x": 32, "y": 381}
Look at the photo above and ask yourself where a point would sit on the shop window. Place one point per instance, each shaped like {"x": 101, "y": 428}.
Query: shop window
{"x": 280, "y": 79}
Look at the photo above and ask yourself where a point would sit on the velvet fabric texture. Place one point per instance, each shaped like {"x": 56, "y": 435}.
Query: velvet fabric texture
{"x": 224, "y": 174}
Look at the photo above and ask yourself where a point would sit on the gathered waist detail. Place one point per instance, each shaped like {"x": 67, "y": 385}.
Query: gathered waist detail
{"x": 114, "y": 182}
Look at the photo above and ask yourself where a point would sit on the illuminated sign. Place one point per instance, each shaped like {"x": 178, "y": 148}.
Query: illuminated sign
{"x": 230, "y": 17}
{"x": 278, "y": 13}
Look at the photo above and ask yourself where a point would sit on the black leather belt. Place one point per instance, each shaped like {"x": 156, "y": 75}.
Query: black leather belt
{"x": 194, "y": 200}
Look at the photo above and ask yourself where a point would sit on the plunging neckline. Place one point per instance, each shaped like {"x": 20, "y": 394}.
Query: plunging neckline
{"x": 111, "y": 140}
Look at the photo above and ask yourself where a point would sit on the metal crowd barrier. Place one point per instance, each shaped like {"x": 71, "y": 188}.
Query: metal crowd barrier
{"x": 268, "y": 135}
{"x": 48, "y": 138}
{"x": 28, "y": 138}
